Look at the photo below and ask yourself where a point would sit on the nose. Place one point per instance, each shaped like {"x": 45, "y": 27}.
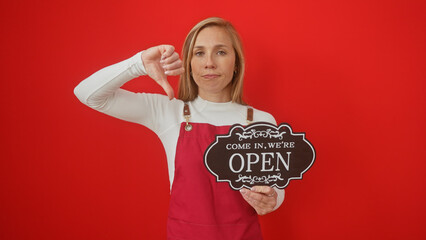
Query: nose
{"x": 210, "y": 62}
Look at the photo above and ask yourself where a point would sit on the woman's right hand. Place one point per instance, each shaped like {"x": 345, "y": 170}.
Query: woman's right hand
{"x": 161, "y": 61}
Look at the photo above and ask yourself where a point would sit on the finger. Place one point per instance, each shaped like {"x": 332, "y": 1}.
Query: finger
{"x": 260, "y": 207}
{"x": 167, "y": 51}
{"x": 173, "y": 66}
{"x": 257, "y": 198}
{"x": 175, "y": 72}
{"x": 174, "y": 57}
{"x": 263, "y": 189}
{"x": 245, "y": 194}
{"x": 167, "y": 88}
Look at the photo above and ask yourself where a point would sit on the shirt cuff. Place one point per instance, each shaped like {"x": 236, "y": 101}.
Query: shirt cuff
{"x": 137, "y": 68}
{"x": 280, "y": 197}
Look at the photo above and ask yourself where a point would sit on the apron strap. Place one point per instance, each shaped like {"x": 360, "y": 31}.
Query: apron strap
{"x": 187, "y": 116}
{"x": 186, "y": 111}
{"x": 249, "y": 115}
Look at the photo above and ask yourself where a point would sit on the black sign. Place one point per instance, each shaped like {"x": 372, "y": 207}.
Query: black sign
{"x": 259, "y": 154}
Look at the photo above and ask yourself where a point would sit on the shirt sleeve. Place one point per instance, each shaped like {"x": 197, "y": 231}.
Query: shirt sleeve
{"x": 101, "y": 91}
{"x": 280, "y": 197}
{"x": 264, "y": 116}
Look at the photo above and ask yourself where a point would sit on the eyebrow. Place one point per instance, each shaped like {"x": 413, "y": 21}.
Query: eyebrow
{"x": 215, "y": 46}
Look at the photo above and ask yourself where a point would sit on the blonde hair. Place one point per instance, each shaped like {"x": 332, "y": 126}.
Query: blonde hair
{"x": 188, "y": 89}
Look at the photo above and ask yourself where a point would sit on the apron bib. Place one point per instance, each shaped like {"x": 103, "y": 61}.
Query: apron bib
{"x": 201, "y": 208}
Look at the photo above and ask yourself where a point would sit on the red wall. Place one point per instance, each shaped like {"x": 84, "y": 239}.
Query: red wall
{"x": 351, "y": 74}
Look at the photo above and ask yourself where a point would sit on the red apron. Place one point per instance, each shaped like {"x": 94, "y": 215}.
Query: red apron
{"x": 201, "y": 208}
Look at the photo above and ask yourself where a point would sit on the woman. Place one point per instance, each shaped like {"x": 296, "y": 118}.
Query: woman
{"x": 210, "y": 101}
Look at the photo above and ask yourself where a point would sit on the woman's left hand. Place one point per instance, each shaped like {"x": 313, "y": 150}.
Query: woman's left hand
{"x": 262, "y": 198}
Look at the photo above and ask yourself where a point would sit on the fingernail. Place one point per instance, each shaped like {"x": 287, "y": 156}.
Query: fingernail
{"x": 167, "y": 72}
{"x": 243, "y": 190}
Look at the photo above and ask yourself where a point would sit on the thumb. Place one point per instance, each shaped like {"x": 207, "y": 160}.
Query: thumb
{"x": 263, "y": 189}
{"x": 166, "y": 51}
{"x": 167, "y": 88}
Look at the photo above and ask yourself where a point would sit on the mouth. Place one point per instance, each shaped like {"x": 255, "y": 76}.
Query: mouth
{"x": 210, "y": 76}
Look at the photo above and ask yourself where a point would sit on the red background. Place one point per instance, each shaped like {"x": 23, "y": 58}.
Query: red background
{"x": 351, "y": 74}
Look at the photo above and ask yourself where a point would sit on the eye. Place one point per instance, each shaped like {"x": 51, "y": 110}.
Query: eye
{"x": 199, "y": 53}
{"x": 221, "y": 52}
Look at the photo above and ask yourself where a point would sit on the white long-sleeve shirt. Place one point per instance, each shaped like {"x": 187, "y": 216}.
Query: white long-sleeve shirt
{"x": 101, "y": 91}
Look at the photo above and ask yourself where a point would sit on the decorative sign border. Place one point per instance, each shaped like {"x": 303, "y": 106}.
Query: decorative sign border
{"x": 268, "y": 131}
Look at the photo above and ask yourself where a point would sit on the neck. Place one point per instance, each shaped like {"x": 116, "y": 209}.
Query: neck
{"x": 219, "y": 97}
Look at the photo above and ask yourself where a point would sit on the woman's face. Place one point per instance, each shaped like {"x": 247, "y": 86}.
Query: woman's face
{"x": 213, "y": 64}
